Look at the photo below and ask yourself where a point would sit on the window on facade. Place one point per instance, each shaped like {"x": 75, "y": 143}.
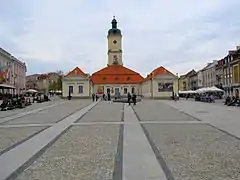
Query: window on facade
{"x": 133, "y": 90}
{"x": 125, "y": 90}
{"x": 235, "y": 74}
{"x": 70, "y": 89}
{"x": 80, "y": 89}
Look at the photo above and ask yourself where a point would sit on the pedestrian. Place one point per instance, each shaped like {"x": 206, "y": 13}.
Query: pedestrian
{"x": 93, "y": 97}
{"x": 97, "y": 97}
{"x": 134, "y": 98}
{"x": 129, "y": 99}
{"x": 109, "y": 96}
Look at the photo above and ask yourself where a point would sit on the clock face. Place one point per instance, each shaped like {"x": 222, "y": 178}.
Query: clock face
{"x": 115, "y": 42}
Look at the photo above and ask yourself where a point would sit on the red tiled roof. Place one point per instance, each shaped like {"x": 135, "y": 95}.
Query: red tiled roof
{"x": 160, "y": 70}
{"x": 76, "y": 71}
{"x": 116, "y": 74}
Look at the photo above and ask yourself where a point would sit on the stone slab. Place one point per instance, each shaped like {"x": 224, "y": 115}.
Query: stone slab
{"x": 25, "y": 152}
{"x": 196, "y": 151}
{"x": 150, "y": 110}
{"x": 139, "y": 160}
{"x": 104, "y": 112}
{"x": 52, "y": 114}
{"x": 81, "y": 153}
{"x": 13, "y": 135}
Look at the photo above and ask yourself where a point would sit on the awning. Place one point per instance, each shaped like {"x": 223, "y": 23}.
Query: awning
{"x": 7, "y": 86}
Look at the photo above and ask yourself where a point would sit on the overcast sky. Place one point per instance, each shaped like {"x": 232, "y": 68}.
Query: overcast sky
{"x": 52, "y": 35}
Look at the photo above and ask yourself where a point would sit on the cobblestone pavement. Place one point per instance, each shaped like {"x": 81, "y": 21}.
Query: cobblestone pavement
{"x": 81, "y": 153}
{"x": 52, "y": 114}
{"x": 98, "y": 113}
{"x": 11, "y": 136}
{"x": 151, "y": 111}
{"x": 84, "y": 140}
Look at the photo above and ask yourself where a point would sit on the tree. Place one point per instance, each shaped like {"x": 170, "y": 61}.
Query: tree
{"x": 59, "y": 84}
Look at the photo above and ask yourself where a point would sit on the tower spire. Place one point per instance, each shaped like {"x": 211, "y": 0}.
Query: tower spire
{"x": 114, "y": 23}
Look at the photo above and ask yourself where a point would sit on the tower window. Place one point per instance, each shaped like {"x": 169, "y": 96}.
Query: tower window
{"x": 115, "y": 42}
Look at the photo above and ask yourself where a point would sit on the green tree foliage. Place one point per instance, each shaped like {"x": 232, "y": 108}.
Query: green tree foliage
{"x": 59, "y": 84}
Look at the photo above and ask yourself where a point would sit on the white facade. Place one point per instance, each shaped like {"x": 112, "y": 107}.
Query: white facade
{"x": 199, "y": 79}
{"x": 152, "y": 87}
{"x": 116, "y": 89}
{"x": 79, "y": 86}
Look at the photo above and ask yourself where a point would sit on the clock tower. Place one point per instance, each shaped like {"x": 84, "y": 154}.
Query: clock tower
{"x": 114, "y": 45}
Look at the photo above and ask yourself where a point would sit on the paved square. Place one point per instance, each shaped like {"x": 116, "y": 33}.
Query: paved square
{"x": 51, "y": 115}
{"x": 156, "y": 111}
{"x": 196, "y": 151}
{"x": 11, "y": 136}
{"x": 83, "y": 152}
{"x": 104, "y": 112}
{"x": 28, "y": 108}
{"x": 80, "y": 139}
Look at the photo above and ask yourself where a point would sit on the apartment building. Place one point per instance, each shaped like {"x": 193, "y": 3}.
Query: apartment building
{"x": 12, "y": 73}
{"x": 209, "y": 74}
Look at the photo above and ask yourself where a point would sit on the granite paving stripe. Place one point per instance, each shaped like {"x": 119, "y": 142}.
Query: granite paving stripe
{"x": 32, "y": 147}
{"x": 196, "y": 151}
{"x": 12, "y": 136}
{"x": 52, "y": 115}
{"x": 117, "y": 173}
{"x": 162, "y": 162}
{"x": 172, "y": 122}
{"x": 104, "y": 111}
{"x": 97, "y": 123}
{"x": 155, "y": 110}
{"x": 23, "y": 114}
{"x": 139, "y": 160}
{"x": 80, "y": 153}
{"x": 25, "y": 125}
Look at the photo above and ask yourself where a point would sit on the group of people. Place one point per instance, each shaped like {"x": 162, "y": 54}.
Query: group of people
{"x": 14, "y": 101}
{"x": 132, "y": 98}
{"x": 232, "y": 101}
{"x": 105, "y": 97}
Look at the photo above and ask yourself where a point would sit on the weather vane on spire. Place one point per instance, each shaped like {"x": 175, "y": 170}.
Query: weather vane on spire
{"x": 113, "y": 17}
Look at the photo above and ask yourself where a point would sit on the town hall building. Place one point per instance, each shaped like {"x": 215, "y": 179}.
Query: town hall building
{"x": 117, "y": 79}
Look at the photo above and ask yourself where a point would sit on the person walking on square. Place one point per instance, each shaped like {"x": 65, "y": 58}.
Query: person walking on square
{"x": 134, "y": 98}
{"x": 129, "y": 98}
{"x": 109, "y": 96}
{"x": 93, "y": 97}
